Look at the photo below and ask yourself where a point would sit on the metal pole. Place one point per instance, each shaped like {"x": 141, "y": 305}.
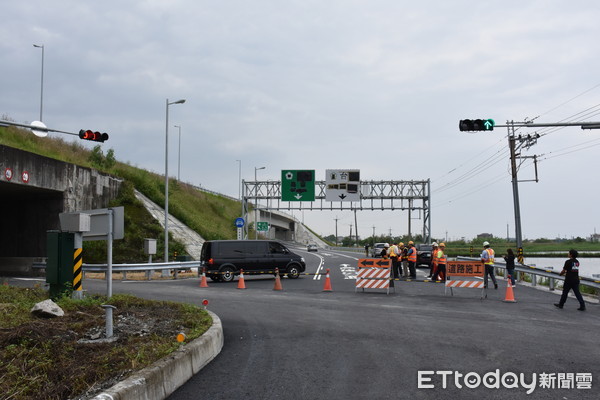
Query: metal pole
{"x": 240, "y": 181}
{"x": 179, "y": 155}
{"x": 166, "y": 258}
{"x": 42, "y": 81}
{"x": 356, "y": 225}
{"x": 109, "y": 254}
{"x": 515, "y": 185}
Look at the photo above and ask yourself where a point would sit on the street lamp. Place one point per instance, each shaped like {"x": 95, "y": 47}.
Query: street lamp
{"x": 42, "y": 81}
{"x": 179, "y": 155}
{"x": 167, "y": 178}
{"x": 256, "y": 204}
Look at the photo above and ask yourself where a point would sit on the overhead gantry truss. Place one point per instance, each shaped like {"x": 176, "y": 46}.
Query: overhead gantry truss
{"x": 374, "y": 195}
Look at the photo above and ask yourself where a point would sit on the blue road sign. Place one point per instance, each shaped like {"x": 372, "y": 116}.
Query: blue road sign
{"x": 239, "y": 222}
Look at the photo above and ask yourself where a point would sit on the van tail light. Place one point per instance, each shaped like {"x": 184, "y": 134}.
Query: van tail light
{"x": 211, "y": 261}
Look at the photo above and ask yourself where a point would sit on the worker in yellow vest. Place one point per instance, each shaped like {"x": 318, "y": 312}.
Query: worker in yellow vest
{"x": 393, "y": 253}
{"x": 441, "y": 263}
{"x": 487, "y": 258}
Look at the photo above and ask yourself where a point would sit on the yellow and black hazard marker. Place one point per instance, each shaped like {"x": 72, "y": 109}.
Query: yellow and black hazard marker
{"x": 77, "y": 269}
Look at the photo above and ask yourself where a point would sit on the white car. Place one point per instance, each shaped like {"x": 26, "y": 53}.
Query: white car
{"x": 376, "y": 250}
{"x": 311, "y": 247}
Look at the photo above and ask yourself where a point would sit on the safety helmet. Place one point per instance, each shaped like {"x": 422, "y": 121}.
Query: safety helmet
{"x": 400, "y": 244}
{"x": 486, "y": 244}
{"x": 442, "y": 244}
{"x": 434, "y": 244}
{"x": 411, "y": 242}
{"x": 386, "y": 245}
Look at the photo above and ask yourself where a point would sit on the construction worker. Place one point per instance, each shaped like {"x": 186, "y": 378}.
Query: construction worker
{"x": 384, "y": 251}
{"x": 393, "y": 253}
{"x": 403, "y": 259}
{"x": 433, "y": 266}
{"x": 411, "y": 256}
{"x": 441, "y": 263}
{"x": 487, "y": 258}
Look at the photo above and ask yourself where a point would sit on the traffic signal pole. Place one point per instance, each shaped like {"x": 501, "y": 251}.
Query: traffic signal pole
{"x": 488, "y": 125}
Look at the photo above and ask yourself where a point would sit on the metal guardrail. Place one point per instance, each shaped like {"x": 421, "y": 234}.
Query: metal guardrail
{"x": 182, "y": 265}
{"x": 542, "y": 272}
{"x": 134, "y": 267}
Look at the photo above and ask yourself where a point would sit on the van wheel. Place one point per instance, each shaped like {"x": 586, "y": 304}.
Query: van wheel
{"x": 293, "y": 272}
{"x": 227, "y": 274}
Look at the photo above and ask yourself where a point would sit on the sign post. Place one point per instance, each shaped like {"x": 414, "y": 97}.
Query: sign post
{"x": 239, "y": 223}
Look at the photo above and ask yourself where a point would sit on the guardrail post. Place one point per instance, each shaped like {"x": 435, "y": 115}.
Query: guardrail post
{"x": 533, "y": 280}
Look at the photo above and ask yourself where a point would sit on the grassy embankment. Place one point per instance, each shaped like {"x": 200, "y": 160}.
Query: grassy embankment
{"x": 208, "y": 214}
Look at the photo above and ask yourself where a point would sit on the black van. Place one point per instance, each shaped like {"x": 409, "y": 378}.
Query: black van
{"x": 223, "y": 259}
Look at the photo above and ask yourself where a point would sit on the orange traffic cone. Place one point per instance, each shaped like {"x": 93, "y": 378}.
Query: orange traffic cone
{"x": 277, "y": 280}
{"x": 327, "y": 287}
{"x": 241, "y": 283}
{"x": 510, "y": 297}
{"x": 203, "y": 282}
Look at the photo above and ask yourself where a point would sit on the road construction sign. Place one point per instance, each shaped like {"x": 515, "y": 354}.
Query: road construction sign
{"x": 465, "y": 268}
{"x": 469, "y": 273}
{"x": 373, "y": 273}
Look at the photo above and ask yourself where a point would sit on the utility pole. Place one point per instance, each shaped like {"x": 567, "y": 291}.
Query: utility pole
{"x": 350, "y": 234}
{"x": 527, "y": 141}
{"x": 336, "y": 232}
{"x": 356, "y": 225}
{"x": 515, "y": 185}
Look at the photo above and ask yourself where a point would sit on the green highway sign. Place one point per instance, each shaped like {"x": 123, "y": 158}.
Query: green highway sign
{"x": 262, "y": 226}
{"x": 298, "y": 185}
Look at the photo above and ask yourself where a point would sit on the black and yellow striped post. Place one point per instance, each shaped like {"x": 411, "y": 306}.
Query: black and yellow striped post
{"x": 77, "y": 272}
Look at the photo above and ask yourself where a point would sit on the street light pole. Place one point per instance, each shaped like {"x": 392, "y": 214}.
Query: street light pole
{"x": 167, "y": 177}
{"x": 256, "y": 203}
{"x": 179, "y": 155}
{"x": 240, "y": 181}
{"x": 42, "y": 80}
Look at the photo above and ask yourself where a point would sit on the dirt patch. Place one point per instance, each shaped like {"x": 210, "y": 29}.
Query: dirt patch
{"x": 63, "y": 358}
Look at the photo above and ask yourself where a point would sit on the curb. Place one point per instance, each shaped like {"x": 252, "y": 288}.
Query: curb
{"x": 163, "y": 377}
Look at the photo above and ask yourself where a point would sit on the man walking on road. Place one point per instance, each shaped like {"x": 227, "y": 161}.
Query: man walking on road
{"x": 571, "y": 273}
{"x": 487, "y": 258}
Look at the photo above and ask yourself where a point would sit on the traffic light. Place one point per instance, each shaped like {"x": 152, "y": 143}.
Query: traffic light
{"x": 476, "y": 125}
{"x": 93, "y": 136}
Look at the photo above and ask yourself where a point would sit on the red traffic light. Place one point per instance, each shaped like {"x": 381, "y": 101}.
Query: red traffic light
{"x": 93, "y": 136}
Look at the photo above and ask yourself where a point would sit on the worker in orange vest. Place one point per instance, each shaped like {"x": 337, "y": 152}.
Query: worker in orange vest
{"x": 433, "y": 267}
{"x": 412, "y": 259}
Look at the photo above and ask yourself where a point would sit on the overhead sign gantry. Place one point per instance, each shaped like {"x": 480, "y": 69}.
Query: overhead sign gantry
{"x": 343, "y": 190}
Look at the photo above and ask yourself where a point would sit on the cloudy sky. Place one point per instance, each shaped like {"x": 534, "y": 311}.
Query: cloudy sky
{"x": 375, "y": 85}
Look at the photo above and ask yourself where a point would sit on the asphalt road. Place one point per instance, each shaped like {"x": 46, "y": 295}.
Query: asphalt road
{"x": 303, "y": 343}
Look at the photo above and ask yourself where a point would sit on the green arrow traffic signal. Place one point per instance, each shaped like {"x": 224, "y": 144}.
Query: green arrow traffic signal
{"x": 476, "y": 124}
